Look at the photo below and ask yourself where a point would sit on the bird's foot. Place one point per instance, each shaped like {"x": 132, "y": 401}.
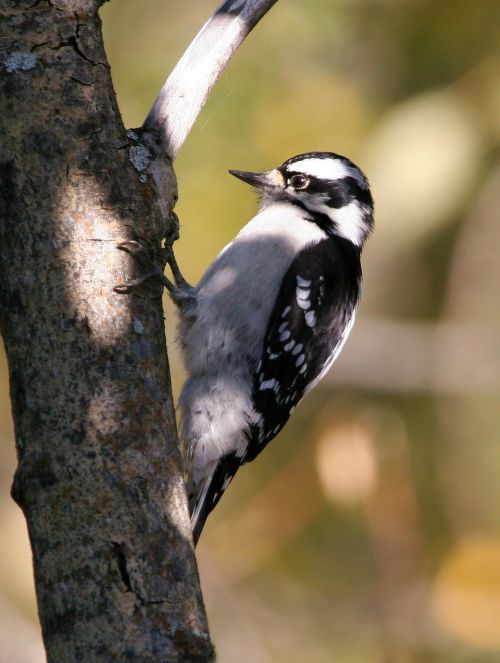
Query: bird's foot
{"x": 153, "y": 258}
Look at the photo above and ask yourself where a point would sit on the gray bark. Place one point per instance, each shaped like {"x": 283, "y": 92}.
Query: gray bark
{"x": 99, "y": 476}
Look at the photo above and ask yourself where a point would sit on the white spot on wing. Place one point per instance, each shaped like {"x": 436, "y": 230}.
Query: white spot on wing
{"x": 304, "y": 283}
{"x": 304, "y": 304}
{"x": 302, "y": 293}
{"x": 300, "y": 360}
{"x": 297, "y": 349}
{"x": 310, "y": 318}
{"x": 285, "y": 336}
{"x": 267, "y": 384}
{"x": 286, "y": 311}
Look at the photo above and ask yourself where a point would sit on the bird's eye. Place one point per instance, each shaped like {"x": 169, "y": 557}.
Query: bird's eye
{"x": 299, "y": 181}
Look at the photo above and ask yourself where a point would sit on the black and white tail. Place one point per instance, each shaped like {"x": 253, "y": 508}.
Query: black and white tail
{"x": 205, "y": 496}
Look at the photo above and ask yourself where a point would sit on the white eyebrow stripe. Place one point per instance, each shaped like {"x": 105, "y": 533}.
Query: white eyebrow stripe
{"x": 330, "y": 169}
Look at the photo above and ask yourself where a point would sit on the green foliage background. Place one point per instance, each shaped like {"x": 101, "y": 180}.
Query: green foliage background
{"x": 369, "y": 531}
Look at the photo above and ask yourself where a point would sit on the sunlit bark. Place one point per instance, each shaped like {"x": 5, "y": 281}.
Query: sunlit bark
{"x": 99, "y": 476}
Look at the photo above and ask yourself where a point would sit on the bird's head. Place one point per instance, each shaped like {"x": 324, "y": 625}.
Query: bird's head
{"x": 329, "y": 188}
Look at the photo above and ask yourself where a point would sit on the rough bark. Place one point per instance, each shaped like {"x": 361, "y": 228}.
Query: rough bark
{"x": 99, "y": 476}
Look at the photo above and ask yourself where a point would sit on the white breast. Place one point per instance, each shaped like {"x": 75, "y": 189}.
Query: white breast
{"x": 235, "y": 297}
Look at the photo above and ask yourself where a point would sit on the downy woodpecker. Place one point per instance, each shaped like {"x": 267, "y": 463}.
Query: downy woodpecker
{"x": 268, "y": 317}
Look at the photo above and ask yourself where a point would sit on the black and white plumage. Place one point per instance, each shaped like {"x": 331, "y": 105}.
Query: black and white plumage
{"x": 269, "y": 316}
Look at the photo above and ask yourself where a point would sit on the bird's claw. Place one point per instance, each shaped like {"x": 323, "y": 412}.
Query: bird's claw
{"x": 147, "y": 256}
{"x": 134, "y": 284}
{"x": 153, "y": 259}
{"x": 132, "y": 246}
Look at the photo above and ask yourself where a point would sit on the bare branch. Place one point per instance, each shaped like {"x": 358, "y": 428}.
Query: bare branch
{"x": 188, "y": 86}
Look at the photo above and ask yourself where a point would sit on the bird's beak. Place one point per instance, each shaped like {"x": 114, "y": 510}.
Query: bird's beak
{"x": 267, "y": 180}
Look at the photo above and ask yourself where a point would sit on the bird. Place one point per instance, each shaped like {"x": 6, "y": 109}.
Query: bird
{"x": 268, "y": 317}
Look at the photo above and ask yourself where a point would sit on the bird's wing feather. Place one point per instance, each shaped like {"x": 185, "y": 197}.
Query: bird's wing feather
{"x": 311, "y": 319}
{"x": 309, "y": 323}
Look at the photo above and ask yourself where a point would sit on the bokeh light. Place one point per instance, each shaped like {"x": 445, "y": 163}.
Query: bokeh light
{"x": 346, "y": 463}
{"x": 466, "y": 591}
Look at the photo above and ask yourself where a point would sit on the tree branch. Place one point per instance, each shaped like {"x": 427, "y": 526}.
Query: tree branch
{"x": 188, "y": 86}
{"x": 99, "y": 475}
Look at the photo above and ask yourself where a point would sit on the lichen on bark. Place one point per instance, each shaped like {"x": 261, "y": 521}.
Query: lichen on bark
{"x": 99, "y": 476}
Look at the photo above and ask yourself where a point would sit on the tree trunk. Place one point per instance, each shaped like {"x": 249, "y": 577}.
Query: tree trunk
{"x": 99, "y": 476}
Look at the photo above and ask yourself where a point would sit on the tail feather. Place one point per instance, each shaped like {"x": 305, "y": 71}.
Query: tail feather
{"x": 208, "y": 492}
{"x": 199, "y": 504}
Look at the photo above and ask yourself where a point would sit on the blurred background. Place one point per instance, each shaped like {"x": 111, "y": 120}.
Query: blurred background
{"x": 369, "y": 531}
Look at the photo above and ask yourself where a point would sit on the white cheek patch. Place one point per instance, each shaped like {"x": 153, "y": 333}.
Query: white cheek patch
{"x": 349, "y": 221}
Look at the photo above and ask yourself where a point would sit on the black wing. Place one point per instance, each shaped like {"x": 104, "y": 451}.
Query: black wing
{"x": 310, "y": 321}
{"x": 315, "y": 305}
